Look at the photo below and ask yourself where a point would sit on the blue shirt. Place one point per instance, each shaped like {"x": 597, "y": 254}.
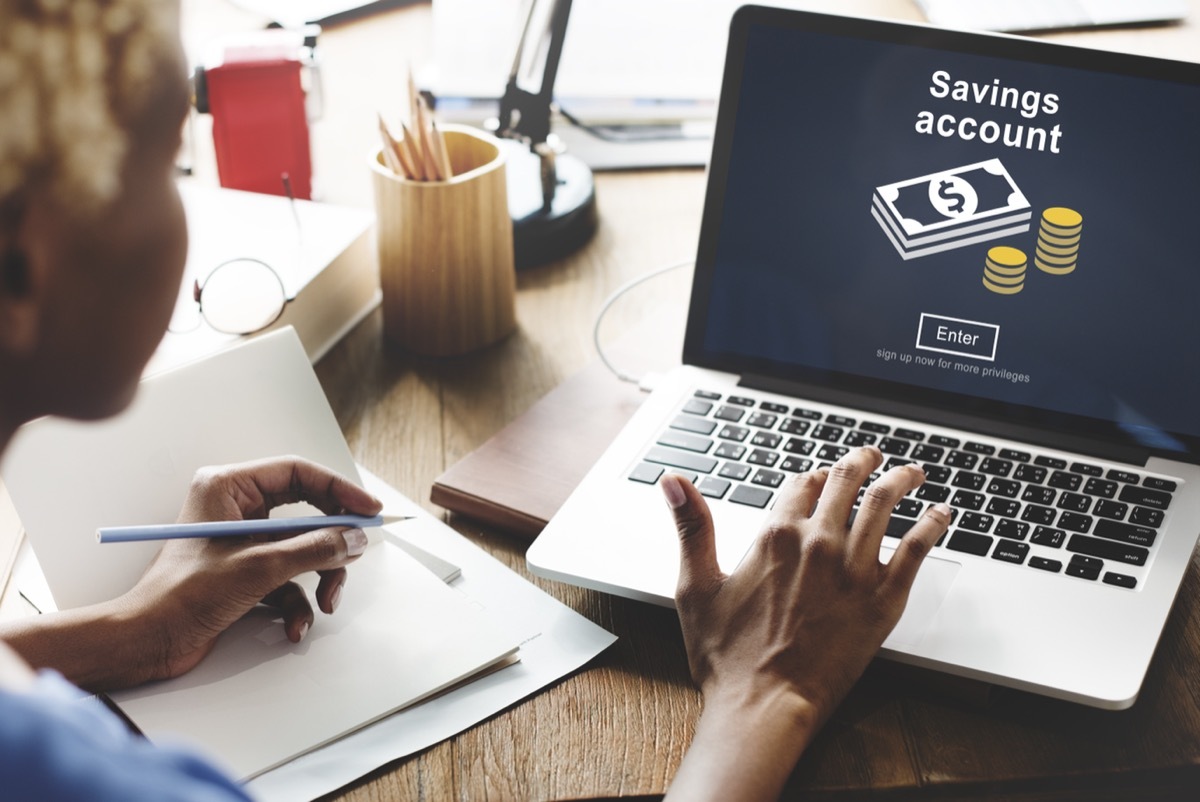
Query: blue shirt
{"x": 57, "y": 744}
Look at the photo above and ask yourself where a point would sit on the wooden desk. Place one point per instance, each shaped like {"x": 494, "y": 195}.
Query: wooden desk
{"x": 621, "y": 726}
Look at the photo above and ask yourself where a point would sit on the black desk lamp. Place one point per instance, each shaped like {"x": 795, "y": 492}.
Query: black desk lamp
{"x": 551, "y": 194}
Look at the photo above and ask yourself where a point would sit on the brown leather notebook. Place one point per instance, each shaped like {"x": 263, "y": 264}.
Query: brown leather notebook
{"x": 519, "y": 478}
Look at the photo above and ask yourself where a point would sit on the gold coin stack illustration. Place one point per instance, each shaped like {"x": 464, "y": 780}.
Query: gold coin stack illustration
{"x": 1058, "y": 241}
{"x": 1004, "y": 270}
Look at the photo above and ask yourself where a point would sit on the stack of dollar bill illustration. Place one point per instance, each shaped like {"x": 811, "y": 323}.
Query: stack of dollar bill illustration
{"x": 1004, "y": 270}
{"x": 1058, "y": 241}
{"x": 951, "y": 209}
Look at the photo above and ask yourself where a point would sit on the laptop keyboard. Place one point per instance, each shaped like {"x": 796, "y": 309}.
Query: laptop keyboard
{"x": 1049, "y": 512}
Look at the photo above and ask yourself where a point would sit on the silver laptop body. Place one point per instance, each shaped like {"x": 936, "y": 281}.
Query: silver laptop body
{"x": 940, "y": 243}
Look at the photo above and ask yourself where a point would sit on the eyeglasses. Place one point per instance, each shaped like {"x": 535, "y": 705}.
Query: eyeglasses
{"x": 241, "y": 296}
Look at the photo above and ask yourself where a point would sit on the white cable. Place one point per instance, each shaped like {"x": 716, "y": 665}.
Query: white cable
{"x": 624, "y": 288}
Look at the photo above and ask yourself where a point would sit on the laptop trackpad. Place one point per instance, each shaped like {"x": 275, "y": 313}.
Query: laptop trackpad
{"x": 928, "y": 591}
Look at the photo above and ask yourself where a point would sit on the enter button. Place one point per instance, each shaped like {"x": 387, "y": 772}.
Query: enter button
{"x": 949, "y": 335}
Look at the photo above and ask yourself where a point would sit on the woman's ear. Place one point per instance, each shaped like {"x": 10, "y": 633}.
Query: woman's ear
{"x": 20, "y": 309}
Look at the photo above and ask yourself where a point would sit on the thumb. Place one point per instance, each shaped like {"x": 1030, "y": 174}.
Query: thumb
{"x": 697, "y": 542}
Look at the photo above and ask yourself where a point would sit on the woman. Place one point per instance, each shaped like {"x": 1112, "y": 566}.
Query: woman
{"x": 92, "y": 246}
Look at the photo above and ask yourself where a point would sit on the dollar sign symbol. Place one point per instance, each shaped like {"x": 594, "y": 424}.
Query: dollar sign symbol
{"x": 948, "y": 193}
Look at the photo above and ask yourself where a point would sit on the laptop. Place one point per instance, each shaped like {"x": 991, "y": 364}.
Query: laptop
{"x": 978, "y": 253}
{"x": 1038, "y": 15}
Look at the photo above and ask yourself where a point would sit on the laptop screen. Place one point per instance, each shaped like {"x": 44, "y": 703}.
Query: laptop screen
{"x": 973, "y": 223}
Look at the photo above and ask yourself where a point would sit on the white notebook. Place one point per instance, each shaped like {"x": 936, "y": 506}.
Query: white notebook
{"x": 400, "y": 634}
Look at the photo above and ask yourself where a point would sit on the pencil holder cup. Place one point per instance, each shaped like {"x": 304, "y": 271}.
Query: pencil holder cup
{"x": 446, "y": 250}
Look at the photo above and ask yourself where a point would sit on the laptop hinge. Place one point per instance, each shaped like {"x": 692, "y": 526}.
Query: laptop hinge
{"x": 1009, "y": 430}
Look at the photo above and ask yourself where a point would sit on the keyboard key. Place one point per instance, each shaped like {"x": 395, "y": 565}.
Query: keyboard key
{"x": 1010, "y": 551}
{"x": 877, "y": 428}
{"x": 893, "y": 462}
{"x": 1038, "y": 515}
{"x": 1030, "y": 473}
{"x": 688, "y": 442}
{"x": 1054, "y": 566}
{"x": 909, "y": 508}
{"x": 1045, "y": 536}
{"x": 979, "y": 448}
{"x": 768, "y": 478}
{"x": 797, "y": 446}
{"x": 1014, "y": 530}
{"x": 1112, "y": 509}
{"x": 970, "y": 542}
{"x": 1100, "y": 487}
{"x": 1074, "y": 502}
{"x": 856, "y": 439}
{"x": 1125, "y": 533}
{"x": 763, "y": 420}
{"x": 697, "y": 407}
{"x": 941, "y": 440}
{"x": 771, "y": 406}
{"x": 996, "y": 467}
{"x": 1087, "y": 469}
{"x": 750, "y": 496}
{"x": 1123, "y": 476}
{"x": 1074, "y": 522}
{"x": 965, "y": 500}
{"x": 1005, "y": 508}
{"x": 1154, "y": 483}
{"x": 741, "y": 400}
{"x": 976, "y": 522}
{"x": 691, "y": 477}
{"x": 828, "y": 433}
{"x": 1145, "y": 497}
{"x": 735, "y": 470}
{"x": 731, "y": 414}
{"x": 708, "y": 394}
{"x": 1065, "y": 481}
{"x": 766, "y": 439}
{"x": 1146, "y": 517}
{"x": 927, "y": 453}
{"x": 1120, "y": 580}
{"x": 729, "y": 451}
{"x": 794, "y": 426}
{"x": 909, "y": 434}
{"x": 960, "y": 459}
{"x": 1004, "y": 487}
{"x": 1038, "y": 495}
{"x": 1084, "y": 570}
{"x": 933, "y": 493}
{"x": 690, "y": 423}
{"x": 738, "y": 433}
{"x": 1108, "y": 550}
{"x": 808, "y": 414}
{"x": 840, "y": 420}
{"x": 938, "y": 474}
{"x": 968, "y": 480}
{"x": 1050, "y": 462}
{"x": 761, "y": 456}
{"x": 894, "y": 446}
{"x": 681, "y": 459}
{"x": 832, "y": 453}
{"x": 796, "y": 464}
{"x": 1014, "y": 455}
{"x": 646, "y": 473}
{"x": 713, "y": 488}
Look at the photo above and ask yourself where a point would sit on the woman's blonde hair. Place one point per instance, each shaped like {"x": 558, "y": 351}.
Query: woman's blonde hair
{"x": 74, "y": 75}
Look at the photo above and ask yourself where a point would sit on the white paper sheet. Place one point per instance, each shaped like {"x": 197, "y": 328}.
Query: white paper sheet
{"x": 559, "y": 641}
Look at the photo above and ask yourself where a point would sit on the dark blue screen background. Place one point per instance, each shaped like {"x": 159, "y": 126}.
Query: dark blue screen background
{"x": 804, "y": 275}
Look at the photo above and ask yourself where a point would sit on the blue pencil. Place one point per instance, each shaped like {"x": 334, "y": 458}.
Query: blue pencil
{"x": 257, "y": 526}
